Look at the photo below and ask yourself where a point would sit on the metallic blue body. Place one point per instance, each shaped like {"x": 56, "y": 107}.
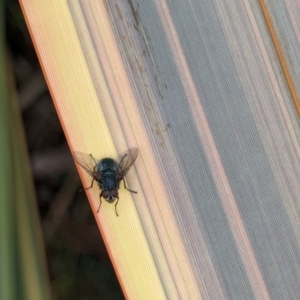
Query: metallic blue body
{"x": 107, "y": 172}
{"x": 108, "y": 169}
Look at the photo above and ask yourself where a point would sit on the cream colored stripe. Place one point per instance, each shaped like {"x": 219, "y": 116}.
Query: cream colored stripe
{"x": 172, "y": 258}
{"x": 222, "y": 184}
{"x": 57, "y": 43}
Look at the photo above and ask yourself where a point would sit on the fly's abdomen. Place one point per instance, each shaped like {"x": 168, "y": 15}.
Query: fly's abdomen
{"x": 109, "y": 182}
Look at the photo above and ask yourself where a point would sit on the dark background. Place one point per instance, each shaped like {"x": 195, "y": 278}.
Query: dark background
{"x": 78, "y": 263}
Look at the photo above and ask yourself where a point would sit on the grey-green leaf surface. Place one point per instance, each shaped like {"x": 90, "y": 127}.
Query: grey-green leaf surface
{"x": 225, "y": 132}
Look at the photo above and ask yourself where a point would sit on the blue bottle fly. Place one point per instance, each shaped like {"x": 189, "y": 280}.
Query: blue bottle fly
{"x": 107, "y": 172}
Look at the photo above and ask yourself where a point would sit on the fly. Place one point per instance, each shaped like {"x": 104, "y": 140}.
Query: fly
{"x": 107, "y": 172}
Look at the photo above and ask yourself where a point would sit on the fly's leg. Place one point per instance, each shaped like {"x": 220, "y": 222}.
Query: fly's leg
{"x": 116, "y": 207}
{"x": 128, "y": 188}
{"x": 93, "y": 160}
{"x": 100, "y": 203}
{"x": 87, "y": 187}
{"x": 93, "y": 178}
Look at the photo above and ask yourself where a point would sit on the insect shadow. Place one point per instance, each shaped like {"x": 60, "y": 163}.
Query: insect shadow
{"x": 108, "y": 173}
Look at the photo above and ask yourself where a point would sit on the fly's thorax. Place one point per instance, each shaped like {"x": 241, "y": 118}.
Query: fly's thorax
{"x": 107, "y": 165}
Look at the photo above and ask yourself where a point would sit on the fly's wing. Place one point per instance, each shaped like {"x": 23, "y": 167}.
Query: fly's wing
{"x": 86, "y": 161}
{"x": 125, "y": 161}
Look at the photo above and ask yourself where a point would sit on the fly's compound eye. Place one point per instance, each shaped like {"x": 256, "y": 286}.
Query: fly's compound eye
{"x": 115, "y": 194}
{"x": 106, "y": 194}
{"x": 110, "y": 196}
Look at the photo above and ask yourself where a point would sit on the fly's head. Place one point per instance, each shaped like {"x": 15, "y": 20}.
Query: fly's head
{"x": 110, "y": 196}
